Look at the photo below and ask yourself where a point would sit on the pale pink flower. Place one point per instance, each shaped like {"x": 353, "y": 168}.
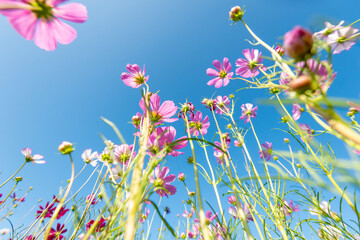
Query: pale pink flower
{"x": 288, "y": 208}
{"x": 34, "y": 159}
{"x": 307, "y": 132}
{"x": 248, "y": 111}
{"x": 266, "y": 152}
{"x": 296, "y": 111}
{"x": 222, "y": 104}
{"x": 342, "y": 39}
{"x": 145, "y": 215}
{"x": 250, "y": 66}
{"x": 135, "y": 77}
{"x": 324, "y": 207}
{"x": 187, "y": 214}
{"x": 222, "y": 73}
{"x": 89, "y": 157}
{"x": 234, "y": 212}
{"x": 232, "y": 200}
{"x": 329, "y": 29}
{"x": 160, "y": 113}
{"x": 198, "y": 125}
{"x": 162, "y": 182}
{"x": 123, "y": 152}
{"x": 39, "y": 21}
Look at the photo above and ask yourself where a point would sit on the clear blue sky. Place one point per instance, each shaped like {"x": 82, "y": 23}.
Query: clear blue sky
{"x": 48, "y": 97}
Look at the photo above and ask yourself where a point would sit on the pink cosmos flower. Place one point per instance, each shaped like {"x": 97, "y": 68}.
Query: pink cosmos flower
{"x": 166, "y": 140}
{"x": 187, "y": 214}
{"x": 248, "y": 111}
{"x": 250, "y": 66}
{"x": 267, "y": 151}
{"x": 220, "y": 155}
{"x": 222, "y": 104}
{"x": 99, "y": 226}
{"x": 329, "y": 29}
{"x": 343, "y": 39}
{"x": 234, "y": 212}
{"x": 91, "y": 198}
{"x": 209, "y": 103}
{"x": 122, "y": 154}
{"x": 307, "y": 131}
{"x": 221, "y": 74}
{"x": 209, "y": 217}
{"x": 46, "y": 211}
{"x": 144, "y": 216}
{"x": 289, "y": 208}
{"x": 296, "y": 111}
{"x": 320, "y": 69}
{"x": 162, "y": 182}
{"x": 160, "y": 113}
{"x": 195, "y": 231}
{"x": 232, "y": 200}
{"x": 89, "y": 157}
{"x": 39, "y": 21}
{"x": 198, "y": 125}
{"x": 34, "y": 159}
{"x": 134, "y": 78}
{"x": 57, "y": 234}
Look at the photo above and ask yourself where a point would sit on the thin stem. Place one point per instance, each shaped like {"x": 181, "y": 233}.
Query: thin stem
{"x": 13, "y": 174}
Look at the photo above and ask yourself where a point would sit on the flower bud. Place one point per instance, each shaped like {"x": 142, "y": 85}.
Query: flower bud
{"x": 136, "y": 120}
{"x": 231, "y": 96}
{"x": 279, "y": 50}
{"x": 182, "y": 235}
{"x": 66, "y": 147}
{"x": 298, "y": 43}
{"x": 181, "y": 177}
{"x": 236, "y": 14}
{"x": 301, "y": 84}
{"x": 18, "y": 179}
{"x": 191, "y": 194}
{"x": 335, "y": 216}
{"x": 275, "y": 158}
{"x": 286, "y": 140}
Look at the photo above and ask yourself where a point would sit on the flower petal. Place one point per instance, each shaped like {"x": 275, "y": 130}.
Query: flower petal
{"x": 63, "y": 32}
{"x": 44, "y": 36}
{"x": 74, "y": 12}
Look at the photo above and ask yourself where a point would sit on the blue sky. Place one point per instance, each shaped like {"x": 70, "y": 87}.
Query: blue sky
{"x": 48, "y": 97}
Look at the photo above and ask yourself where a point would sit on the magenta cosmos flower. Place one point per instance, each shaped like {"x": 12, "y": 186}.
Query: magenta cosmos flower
{"x": 250, "y": 66}
{"x": 160, "y": 113}
{"x": 57, "y": 233}
{"x": 162, "y": 182}
{"x": 39, "y": 21}
{"x": 134, "y": 78}
{"x": 298, "y": 43}
{"x": 248, "y": 111}
{"x": 221, "y": 74}
{"x": 34, "y": 159}
{"x": 266, "y": 152}
{"x": 198, "y": 125}
{"x": 289, "y": 208}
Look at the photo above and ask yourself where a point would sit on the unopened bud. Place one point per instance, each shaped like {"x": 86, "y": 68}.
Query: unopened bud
{"x": 300, "y": 84}
{"x": 18, "y": 179}
{"x": 191, "y": 194}
{"x": 236, "y": 14}
{"x": 181, "y": 177}
{"x": 231, "y": 96}
{"x": 279, "y": 50}
{"x": 298, "y": 165}
{"x": 66, "y": 147}
{"x": 275, "y": 158}
{"x": 286, "y": 140}
{"x": 183, "y": 235}
{"x": 298, "y": 43}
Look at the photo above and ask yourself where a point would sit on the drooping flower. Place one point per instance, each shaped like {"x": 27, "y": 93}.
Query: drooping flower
{"x": 248, "y": 112}
{"x": 162, "y": 182}
{"x": 99, "y": 226}
{"x": 222, "y": 104}
{"x": 34, "y": 159}
{"x": 144, "y": 216}
{"x": 222, "y": 73}
{"x": 343, "y": 39}
{"x": 39, "y": 21}
{"x": 298, "y": 43}
{"x": 250, "y": 66}
{"x": 288, "y": 208}
{"x": 123, "y": 152}
{"x": 187, "y": 107}
{"x": 135, "y": 77}
{"x": 198, "y": 125}
{"x": 89, "y": 157}
{"x": 159, "y": 114}
{"x": 296, "y": 111}
{"x": 266, "y": 153}
{"x": 209, "y": 103}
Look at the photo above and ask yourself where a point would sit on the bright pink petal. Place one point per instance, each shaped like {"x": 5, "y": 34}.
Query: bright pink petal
{"x": 44, "y": 36}
{"x": 212, "y": 72}
{"x": 167, "y": 109}
{"x": 227, "y": 65}
{"x": 248, "y": 55}
{"x": 74, "y": 12}
{"x": 169, "y": 178}
{"x": 24, "y": 22}
{"x": 217, "y": 65}
{"x": 213, "y": 81}
{"x": 219, "y": 83}
{"x": 164, "y": 172}
{"x": 63, "y": 32}
{"x": 155, "y": 102}
{"x": 171, "y": 189}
